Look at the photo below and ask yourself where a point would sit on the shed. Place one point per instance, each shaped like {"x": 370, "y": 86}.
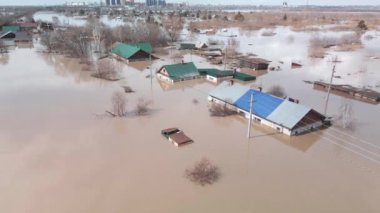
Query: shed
{"x": 179, "y": 138}
{"x": 201, "y": 45}
{"x": 254, "y": 63}
{"x": 244, "y": 77}
{"x": 178, "y": 72}
{"x": 186, "y": 46}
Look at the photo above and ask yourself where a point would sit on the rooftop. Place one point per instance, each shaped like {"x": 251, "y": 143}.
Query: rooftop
{"x": 228, "y": 92}
{"x": 182, "y": 70}
{"x": 128, "y": 50}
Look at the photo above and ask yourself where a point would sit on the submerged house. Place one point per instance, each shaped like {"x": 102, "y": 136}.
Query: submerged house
{"x": 217, "y": 76}
{"x": 178, "y": 72}
{"x": 254, "y": 63}
{"x": 133, "y": 52}
{"x": 188, "y": 71}
{"x": 186, "y": 46}
{"x": 282, "y": 115}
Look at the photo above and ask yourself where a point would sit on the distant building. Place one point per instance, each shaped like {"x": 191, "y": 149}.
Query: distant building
{"x": 154, "y": 3}
{"x": 115, "y": 2}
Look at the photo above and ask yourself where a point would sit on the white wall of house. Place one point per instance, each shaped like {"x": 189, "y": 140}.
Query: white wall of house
{"x": 217, "y": 80}
{"x": 306, "y": 128}
{"x": 164, "y": 78}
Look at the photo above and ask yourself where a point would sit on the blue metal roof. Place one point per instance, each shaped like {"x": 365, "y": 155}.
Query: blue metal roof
{"x": 263, "y": 105}
{"x": 289, "y": 114}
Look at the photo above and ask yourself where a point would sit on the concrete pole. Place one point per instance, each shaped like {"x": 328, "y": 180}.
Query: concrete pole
{"x": 329, "y": 89}
{"x": 250, "y": 117}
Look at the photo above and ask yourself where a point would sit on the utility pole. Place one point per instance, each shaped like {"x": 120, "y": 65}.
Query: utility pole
{"x": 225, "y": 58}
{"x": 331, "y": 80}
{"x": 150, "y": 69}
{"x": 250, "y": 117}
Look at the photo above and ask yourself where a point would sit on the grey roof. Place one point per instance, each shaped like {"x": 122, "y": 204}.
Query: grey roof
{"x": 288, "y": 114}
{"x": 23, "y": 36}
{"x": 229, "y": 93}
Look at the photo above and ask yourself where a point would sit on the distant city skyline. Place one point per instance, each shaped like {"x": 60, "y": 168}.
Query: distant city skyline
{"x": 215, "y": 2}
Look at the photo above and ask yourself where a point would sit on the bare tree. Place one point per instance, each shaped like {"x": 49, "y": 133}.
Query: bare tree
{"x": 173, "y": 27}
{"x": 107, "y": 70}
{"x": 277, "y": 90}
{"x": 345, "y": 116}
{"x": 119, "y": 104}
{"x": 142, "y": 107}
{"x": 219, "y": 110}
{"x": 203, "y": 172}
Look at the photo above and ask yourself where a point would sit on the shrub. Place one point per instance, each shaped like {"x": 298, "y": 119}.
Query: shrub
{"x": 219, "y": 110}
{"x": 362, "y": 25}
{"x": 142, "y": 107}
{"x": 203, "y": 172}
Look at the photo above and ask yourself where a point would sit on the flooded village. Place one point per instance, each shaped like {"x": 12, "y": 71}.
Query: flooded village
{"x": 173, "y": 107}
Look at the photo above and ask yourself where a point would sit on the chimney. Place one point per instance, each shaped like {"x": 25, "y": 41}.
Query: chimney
{"x": 260, "y": 89}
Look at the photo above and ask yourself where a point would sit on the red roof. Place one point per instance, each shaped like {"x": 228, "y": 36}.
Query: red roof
{"x": 28, "y": 25}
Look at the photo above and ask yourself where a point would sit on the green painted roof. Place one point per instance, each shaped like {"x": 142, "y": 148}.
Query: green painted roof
{"x": 11, "y": 28}
{"x": 128, "y": 50}
{"x": 224, "y": 73}
{"x": 216, "y": 73}
{"x": 186, "y": 46}
{"x": 183, "y": 70}
{"x": 244, "y": 77}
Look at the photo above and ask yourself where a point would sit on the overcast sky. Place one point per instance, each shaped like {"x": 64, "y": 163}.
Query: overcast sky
{"x": 253, "y": 2}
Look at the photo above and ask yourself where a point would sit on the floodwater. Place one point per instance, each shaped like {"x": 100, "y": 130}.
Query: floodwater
{"x": 73, "y": 20}
{"x": 58, "y": 155}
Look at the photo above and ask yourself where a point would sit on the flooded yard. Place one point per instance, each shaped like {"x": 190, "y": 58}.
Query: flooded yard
{"x": 58, "y": 155}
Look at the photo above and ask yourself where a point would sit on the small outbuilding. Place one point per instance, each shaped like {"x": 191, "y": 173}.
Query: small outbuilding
{"x": 186, "y": 46}
{"x": 217, "y": 76}
{"x": 201, "y": 45}
{"x": 254, "y": 63}
{"x": 176, "y": 136}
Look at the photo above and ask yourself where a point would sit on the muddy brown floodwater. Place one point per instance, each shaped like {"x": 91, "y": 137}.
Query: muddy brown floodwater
{"x": 57, "y": 156}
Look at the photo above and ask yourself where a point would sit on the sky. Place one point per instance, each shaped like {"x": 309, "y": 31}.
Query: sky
{"x": 246, "y": 2}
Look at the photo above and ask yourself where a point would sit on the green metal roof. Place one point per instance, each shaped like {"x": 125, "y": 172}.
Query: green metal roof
{"x": 224, "y": 73}
{"x": 183, "y": 70}
{"x": 244, "y": 77}
{"x": 216, "y": 73}
{"x": 128, "y": 50}
{"x": 11, "y": 28}
{"x": 186, "y": 46}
